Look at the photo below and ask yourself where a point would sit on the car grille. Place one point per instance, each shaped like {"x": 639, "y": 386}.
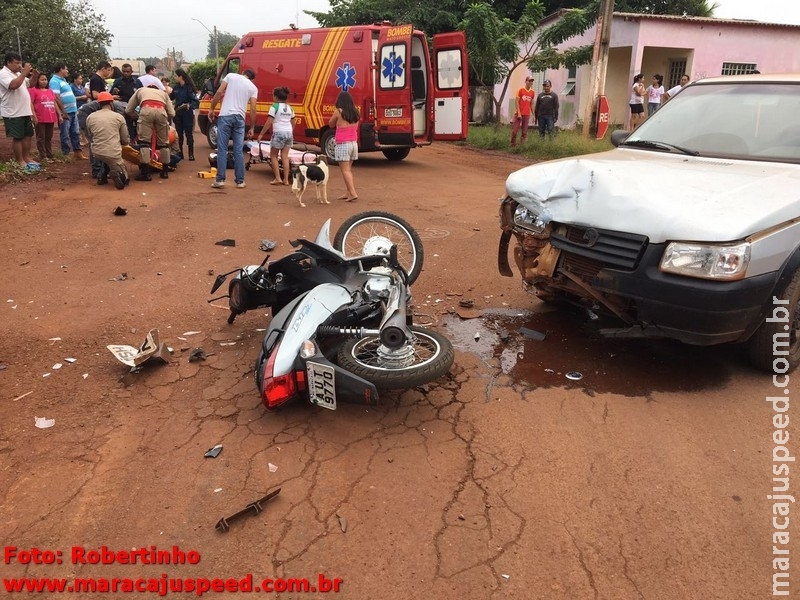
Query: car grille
{"x": 595, "y": 249}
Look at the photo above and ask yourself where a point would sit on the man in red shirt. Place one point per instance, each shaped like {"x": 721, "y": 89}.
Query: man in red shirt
{"x": 522, "y": 114}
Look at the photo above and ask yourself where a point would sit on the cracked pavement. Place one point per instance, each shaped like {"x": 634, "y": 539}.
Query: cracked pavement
{"x": 484, "y": 485}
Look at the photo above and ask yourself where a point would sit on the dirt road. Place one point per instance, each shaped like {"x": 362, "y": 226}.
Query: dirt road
{"x": 645, "y": 479}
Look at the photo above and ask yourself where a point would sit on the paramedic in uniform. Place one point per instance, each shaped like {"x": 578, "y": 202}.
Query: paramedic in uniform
{"x": 155, "y": 112}
{"x": 108, "y": 132}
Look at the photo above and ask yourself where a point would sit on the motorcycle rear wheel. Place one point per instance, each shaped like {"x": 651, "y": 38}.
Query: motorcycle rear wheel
{"x": 374, "y": 232}
{"x": 427, "y": 357}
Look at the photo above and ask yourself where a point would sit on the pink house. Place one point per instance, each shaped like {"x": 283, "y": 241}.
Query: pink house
{"x": 668, "y": 45}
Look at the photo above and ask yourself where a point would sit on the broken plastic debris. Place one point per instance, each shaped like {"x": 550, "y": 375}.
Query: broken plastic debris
{"x": 226, "y": 242}
{"x": 342, "y": 522}
{"x": 151, "y": 348}
{"x": 574, "y": 376}
{"x": 46, "y": 375}
{"x": 227, "y": 343}
{"x": 120, "y": 212}
{"x": 287, "y": 223}
{"x": 85, "y": 375}
{"x": 267, "y": 245}
{"x": 217, "y": 490}
{"x": 44, "y": 422}
{"x": 71, "y": 360}
{"x": 191, "y": 332}
{"x": 213, "y": 452}
{"x": 197, "y": 354}
{"x": 55, "y": 339}
{"x": 22, "y": 396}
{"x": 532, "y": 334}
{"x": 477, "y": 336}
{"x": 506, "y": 577}
{"x": 272, "y": 468}
{"x": 56, "y": 366}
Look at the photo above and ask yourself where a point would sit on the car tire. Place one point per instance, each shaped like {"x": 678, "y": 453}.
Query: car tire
{"x": 211, "y": 136}
{"x": 761, "y": 345}
{"x": 328, "y": 146}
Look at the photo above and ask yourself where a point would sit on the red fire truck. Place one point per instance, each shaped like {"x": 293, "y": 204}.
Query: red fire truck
{"x": 407, "y": 98}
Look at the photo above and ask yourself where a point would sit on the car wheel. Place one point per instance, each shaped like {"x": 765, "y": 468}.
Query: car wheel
{"x": 781, "y": 335}
{"x": 211, "y": 136}
{"x": 328, "y": 146}
{"x": 396, "y": 154}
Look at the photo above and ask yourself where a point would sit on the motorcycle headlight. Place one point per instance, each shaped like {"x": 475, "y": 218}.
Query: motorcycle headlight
{"x": 528, "y": 219}
{"x": 707, "y": 261}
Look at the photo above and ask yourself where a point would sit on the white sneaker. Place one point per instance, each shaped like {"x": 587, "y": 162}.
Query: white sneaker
{"x": 218, "y": 184}
{"x": 241, "y": 185}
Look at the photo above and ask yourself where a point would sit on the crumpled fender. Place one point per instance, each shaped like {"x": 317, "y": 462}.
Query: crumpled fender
{"x": 506, "y": 225}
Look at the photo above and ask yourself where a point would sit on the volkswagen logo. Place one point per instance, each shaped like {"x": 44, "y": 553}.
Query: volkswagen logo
{"x": 591, "y": 236}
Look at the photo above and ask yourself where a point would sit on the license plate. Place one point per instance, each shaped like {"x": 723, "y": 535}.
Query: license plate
{"x": 393, "y": 112}
{"x": 321, "y": 385}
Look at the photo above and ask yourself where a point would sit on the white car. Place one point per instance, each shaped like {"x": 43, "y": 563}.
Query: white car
{"x": 689, "y": 229}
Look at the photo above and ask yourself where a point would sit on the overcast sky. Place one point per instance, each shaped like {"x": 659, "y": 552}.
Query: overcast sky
{"x": 151, "y": 28}
{"x": 148, "y": 27}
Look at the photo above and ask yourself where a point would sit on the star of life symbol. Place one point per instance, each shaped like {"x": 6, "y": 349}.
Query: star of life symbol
{"x": 345, "y": 77}
{"x": 449, "y": 71}
{"x": 392, "y": 66}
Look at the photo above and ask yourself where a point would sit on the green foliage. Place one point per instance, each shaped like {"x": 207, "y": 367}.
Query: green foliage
{"x": 430, "y": 17}
{"x": 566, "y": 143}
{"x": 200, "y": 71}
{"x": 52, "y": 31}
{"x": 226, "y": 43}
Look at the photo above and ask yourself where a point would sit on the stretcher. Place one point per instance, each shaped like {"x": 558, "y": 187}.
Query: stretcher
{"x": 258, "y": 152}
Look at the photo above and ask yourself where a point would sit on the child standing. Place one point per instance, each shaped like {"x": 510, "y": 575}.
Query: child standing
{"x": 654, "y": 92}
{"x": 345, "y": 119}
{"x": 281, "y": 121}
{"x": 43, "y": 103}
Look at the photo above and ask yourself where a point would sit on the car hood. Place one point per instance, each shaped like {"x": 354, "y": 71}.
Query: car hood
{"x": 662, "y": 196}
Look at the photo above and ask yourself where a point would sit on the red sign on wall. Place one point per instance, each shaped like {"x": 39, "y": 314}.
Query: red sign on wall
{"x": 602, "y": 117}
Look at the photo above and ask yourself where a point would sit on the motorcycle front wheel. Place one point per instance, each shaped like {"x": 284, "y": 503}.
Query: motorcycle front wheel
{"x": 426, "y": 357}
{"x": 374, "y": 232}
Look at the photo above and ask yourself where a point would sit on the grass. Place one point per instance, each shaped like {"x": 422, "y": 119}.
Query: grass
{"x": 12, "y": 172}
{"x": 566, "y": 143}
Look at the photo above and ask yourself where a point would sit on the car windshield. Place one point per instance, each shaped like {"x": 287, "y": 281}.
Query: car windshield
{"x": 756, "y": 121}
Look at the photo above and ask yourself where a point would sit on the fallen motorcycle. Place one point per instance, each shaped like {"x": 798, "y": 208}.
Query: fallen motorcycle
{"x": 341, "y": 329}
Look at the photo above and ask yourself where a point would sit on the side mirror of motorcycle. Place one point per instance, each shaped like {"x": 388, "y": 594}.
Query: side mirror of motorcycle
{"x": 218, "y": 282}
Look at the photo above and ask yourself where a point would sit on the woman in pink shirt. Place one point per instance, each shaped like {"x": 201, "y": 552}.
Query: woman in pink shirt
{"x": 48, "y": 113}
{"x": 345, "y": 119}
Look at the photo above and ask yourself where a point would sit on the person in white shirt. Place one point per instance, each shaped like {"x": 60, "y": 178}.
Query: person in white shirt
{"x": 16, "y": 109}
{"x": 237, "y": 93}
{"x": 670, "y": 93}
{"x": 654, "y": 93}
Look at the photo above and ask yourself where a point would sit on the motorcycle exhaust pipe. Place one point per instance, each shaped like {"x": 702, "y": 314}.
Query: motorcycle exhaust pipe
{"x": 394, "y": 328}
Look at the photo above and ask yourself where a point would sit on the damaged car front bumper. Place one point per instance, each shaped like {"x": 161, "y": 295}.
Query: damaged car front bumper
{"x": 619, "y": 274}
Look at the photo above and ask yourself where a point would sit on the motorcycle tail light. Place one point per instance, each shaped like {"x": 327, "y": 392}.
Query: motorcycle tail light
{"x": 277, "y": 390}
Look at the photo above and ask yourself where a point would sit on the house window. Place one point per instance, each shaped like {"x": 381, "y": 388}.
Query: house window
{"x": 569, "y": 86}
{"x": 677, "y": 67}
{"x": 738, "y": 68}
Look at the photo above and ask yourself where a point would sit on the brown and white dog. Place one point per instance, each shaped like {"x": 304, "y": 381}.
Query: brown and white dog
{"x": 316, "y": 175}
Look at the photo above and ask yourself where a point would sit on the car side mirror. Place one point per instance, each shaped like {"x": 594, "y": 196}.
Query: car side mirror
{"x": 619, "y": 136}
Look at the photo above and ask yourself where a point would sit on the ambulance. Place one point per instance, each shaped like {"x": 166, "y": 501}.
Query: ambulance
{"x": 407, "y": 96}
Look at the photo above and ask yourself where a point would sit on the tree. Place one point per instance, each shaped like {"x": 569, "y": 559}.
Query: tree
{"x": 201, "y": 71}
{"x": 226, "y": 43}
{"x": 52, "y": 31}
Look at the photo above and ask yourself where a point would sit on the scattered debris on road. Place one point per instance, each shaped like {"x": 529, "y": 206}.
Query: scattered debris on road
{"x": 43, "y": 422}
{"x": 213, "y": 452}
{"x": 223, "y": 524}
{"x": 120, "y": 212}
{"x": 532, "y": 334}
{"x": 226, "y": 242}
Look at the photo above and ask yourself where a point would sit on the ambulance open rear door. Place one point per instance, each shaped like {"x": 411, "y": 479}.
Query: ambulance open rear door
{"x": 450, "y": 86}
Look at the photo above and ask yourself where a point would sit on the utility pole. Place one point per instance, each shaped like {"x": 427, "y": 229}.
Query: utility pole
{"x": 216, "y": 46}
{"x": 216, "y": 39}
{"x": 597, "y": 79}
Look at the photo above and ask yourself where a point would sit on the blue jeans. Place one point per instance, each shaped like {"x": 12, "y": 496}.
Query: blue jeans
{"x": 546, "y": 124}
{"x": 230, "y": 127}
{"x": 69, "y": 134}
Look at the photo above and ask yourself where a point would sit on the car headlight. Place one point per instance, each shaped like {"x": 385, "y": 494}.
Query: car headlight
{"x": 528, "y": 219}
{"x": 706, "y": 261}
